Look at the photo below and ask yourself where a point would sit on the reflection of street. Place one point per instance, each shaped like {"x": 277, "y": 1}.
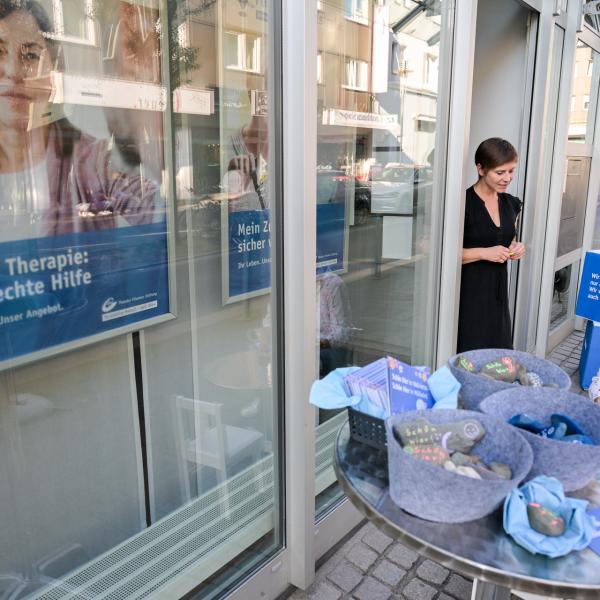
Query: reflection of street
{"x": 381, "y": 294}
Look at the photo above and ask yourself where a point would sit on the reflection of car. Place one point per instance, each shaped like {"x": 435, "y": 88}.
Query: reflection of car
{"x": 333, "y": 185}
{"x": 394, "y": 190}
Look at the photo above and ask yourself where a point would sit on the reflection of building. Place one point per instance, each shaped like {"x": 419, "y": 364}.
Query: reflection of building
{"x": 580, "y": 92}
{"x": 385, "y": 71}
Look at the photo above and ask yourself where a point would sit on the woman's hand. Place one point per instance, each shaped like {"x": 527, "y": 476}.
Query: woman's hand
{"x": 517, "y": 250}
{"x": 499, "y": 254}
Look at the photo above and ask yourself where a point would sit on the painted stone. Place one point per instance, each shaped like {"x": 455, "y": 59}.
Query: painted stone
{"x": 466, "y": 364}
{"x": 531, "y": 378}
{"x": 432, "y": 454}
{"x": 502, "y": 470}
{"x": 460, "y": 436}
{"x": 503, "y": 369}
{"x": 460, "y": 459}
{"x": 544, "y": 520}
{"x": 450, "y": 466}
{"x": 468, "y": 472}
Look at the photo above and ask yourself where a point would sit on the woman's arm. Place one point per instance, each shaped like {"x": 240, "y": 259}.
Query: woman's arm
{"x": 498, "y": 254}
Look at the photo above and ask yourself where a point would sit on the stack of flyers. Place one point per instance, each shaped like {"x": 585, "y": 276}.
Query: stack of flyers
{"x": 392, "y": 386}
{"x": 371, "y": 381}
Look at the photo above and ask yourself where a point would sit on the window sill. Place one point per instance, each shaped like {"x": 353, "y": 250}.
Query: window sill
{"x": 242, "y": 70}
{"x": 359, "y": 20}
{"x": 354, "y": 89}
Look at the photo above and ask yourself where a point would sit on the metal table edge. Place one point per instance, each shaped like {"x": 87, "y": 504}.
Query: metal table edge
{"x": 464, "y": 566}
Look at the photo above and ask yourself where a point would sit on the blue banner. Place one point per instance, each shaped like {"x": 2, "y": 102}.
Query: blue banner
{"x": 55, "y": 290}
{"x": 249, "y": 240}
{"x": 249, "y": 269}
{"x": 588, "y": 300}
{"x": 331, "y": 239}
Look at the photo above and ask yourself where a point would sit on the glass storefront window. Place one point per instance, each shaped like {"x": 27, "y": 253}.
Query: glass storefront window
{"x": 564, "y": 294}
{"x": 139, "y": 402}
{"x": 586, "y": 77}
{"x": 378, "y": 114}
{"x": 574, "y": 202}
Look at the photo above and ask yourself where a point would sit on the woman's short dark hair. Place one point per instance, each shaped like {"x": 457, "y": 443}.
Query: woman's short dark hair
{"x": 494, "y": 152}
{"x": 37, "y": 11}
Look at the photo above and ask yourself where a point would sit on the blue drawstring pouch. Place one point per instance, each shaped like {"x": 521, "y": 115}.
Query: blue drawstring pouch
{"x": 548, "y": 492}
{"x": 444, "y": 388}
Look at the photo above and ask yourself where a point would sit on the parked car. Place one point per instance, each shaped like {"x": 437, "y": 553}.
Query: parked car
{"x": 333, "y": 185}
{"x": 394, "y": 190}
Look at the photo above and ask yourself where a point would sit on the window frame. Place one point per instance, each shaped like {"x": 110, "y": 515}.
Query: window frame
{"x": 356, "y": 86}
{"x": 242, "y": 40}
{"x": 58, "y": 22}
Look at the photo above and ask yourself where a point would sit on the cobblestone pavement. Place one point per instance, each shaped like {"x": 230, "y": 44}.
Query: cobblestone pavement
{"x": 372, "y": 566}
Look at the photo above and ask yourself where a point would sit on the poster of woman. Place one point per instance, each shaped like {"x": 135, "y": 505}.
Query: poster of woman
{"x": 83, "y": 228}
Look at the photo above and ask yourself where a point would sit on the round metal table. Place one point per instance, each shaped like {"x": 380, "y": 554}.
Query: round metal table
{"x": 478, "y": 549}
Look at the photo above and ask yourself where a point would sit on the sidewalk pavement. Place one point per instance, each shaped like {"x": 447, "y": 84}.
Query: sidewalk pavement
{"x": 369, "y": 565}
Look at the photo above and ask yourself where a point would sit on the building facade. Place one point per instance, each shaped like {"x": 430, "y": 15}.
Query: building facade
{"x": 208, "y": 204}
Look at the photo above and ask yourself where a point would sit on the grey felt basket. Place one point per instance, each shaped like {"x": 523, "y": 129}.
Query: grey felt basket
{"x": 475, "y": 387}
{"x": 573, "y": 464}
{"x": 430, "y": 492}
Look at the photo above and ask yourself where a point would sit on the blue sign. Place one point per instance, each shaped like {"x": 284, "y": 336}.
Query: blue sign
{"x": 588, "y": 300}
{"x": 55, "y": 290}
{"x": 408, "y": 388}
{"x": 248, "y": 269}
{"x": 331, "y": 237}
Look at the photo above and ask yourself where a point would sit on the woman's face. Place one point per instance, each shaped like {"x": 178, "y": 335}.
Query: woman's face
{"x": 498, "y": 179}
{"x": 25, "y": 67}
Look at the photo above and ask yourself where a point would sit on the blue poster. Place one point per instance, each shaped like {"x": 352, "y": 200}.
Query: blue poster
{"x": 588, "y": 300}
{"x": 249, "y": 243}
{"x": 249, "y": 254}
{"x": 60, "y": 289}
{"x": 331, "y": 237}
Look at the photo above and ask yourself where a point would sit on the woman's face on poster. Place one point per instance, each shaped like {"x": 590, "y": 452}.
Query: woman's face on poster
{"x": 25, "y": 68}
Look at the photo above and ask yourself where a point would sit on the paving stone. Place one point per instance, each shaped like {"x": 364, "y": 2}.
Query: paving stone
{"x": 345, "y": 576}
{"x": 362, "y": 556}
{"x": 443, "y": 596}
{"x": 371, "y": 589}
{"x": 417, "y": 590}
{"x": 323, "y": 591}
{"x": 402, "y": 555}
{"x": 376, "y": 539}
{"x": 432, "y": 572}
{"x": 389, "y": 573}
{"x": 459, "y": 587}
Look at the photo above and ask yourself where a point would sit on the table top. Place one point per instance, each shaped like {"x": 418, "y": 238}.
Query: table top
{"x": 478, "y": 549}
{"x": 241, "y": 370}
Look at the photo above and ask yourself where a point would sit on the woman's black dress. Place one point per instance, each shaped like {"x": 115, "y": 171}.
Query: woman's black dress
{"x": 484, "y": 318}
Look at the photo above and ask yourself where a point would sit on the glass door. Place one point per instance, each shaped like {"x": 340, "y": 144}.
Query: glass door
{"x": 574, "y": 201}
{"x": 380, "y": 113}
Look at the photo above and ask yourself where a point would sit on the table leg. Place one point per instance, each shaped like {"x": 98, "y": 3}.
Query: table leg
{"x": 489, "y": 591}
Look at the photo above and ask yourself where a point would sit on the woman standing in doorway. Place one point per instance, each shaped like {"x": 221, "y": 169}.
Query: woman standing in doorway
{"x": 489, "y": 243}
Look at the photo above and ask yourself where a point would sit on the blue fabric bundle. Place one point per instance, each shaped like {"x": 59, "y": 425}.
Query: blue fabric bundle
{"x": 547, "y": 491}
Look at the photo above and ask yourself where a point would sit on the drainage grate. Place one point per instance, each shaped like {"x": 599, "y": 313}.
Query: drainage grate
{"x": 240, "y": 509}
